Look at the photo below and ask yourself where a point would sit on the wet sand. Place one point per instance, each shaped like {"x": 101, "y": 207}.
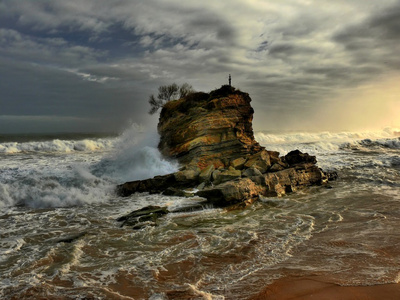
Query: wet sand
{"x": 315, "y": 287}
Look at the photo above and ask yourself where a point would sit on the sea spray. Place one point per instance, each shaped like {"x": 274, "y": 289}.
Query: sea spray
{"x": 135, "y": 157}
{"x": 63, "y": 173}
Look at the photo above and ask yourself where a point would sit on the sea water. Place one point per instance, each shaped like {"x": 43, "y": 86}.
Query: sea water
{"x": 59, "y": 238}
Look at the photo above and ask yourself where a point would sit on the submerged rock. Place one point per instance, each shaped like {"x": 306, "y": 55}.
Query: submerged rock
{"x": 211, "y": 136}
{"x": 71, "y": 238}
{"x": 146, "y": 216}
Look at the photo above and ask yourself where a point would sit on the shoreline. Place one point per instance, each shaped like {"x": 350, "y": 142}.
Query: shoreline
{"x": 318, "y": 287}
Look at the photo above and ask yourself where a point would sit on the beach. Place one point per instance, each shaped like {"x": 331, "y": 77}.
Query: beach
{"x": 316, "y": 287}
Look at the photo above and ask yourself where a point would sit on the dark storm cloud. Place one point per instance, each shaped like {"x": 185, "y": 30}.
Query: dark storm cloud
{"x": 383, "y": 26}
{"x": 375, "y": 40}
{"x": 96, "y": 63}
{"x": 285, "y": 50}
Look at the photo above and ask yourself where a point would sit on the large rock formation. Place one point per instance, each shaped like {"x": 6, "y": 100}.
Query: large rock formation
{"x": 211, "y": 136}
{"x": 204, "y": 129}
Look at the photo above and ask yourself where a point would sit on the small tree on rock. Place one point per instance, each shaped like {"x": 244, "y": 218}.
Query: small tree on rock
{"x": 167, "y": 93}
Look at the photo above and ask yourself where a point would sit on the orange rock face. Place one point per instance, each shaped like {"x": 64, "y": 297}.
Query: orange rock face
{"x": 211, "y": 135}
{"x": 205, "y": 129}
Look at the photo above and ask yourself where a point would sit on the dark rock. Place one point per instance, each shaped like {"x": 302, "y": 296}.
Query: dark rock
{"x": 276, "y": 167}
{"x": 153, "y": 186}
{"x": 251, "y": 172}
{"x": 238, "y": 163}
{"x": 274, "y": 157}
{"x": 332, "y": 175}
{"x": 205, "y": 174}
{"x": 292, "y": 179}
{"x": 171, "y": 191}
{"x": 227, "y": 175}
{"x": 231, "y": 192}
{"x": 71, "y": 238}
{"x": 187, "y": 176}
{"x": 260, "y": 161}
{"x": 192, "y": 208}
{"x": 297, "y": 157}
{"x": 143, "y": 217}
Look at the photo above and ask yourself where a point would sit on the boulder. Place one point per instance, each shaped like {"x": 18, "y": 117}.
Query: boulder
{"x": 205, "y": 174}
{"x": 227, "y": 175}
{"x": 171, "y": 191}
{"x": 276, "y": 167}
{"x": 274, "y": 156}
{"x": 260, "y": 161}
{"x": 238, "y": 163}
{"x": 231, "y": 192}
{"x": 251, "y": 172}
{"x": 290, "y": 180}
{"x": 187, "y": 176}
{"x": 153, "y": 186}
{"x": 297, "y": 157}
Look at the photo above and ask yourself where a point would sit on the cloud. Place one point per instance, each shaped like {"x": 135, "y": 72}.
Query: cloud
{"x": 95, "y": 59}
{"x": 22, "y": 47}
{"x": 375, "y": 40}
{"x": 91, "y": 77}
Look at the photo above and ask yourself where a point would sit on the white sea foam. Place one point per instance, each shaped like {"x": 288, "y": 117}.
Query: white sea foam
{"x": 76, "y": 255}
{"x": 380, "y": 143}
{"x": 70, "y": 173}
{"x": 135, "y": 157}
{"x": 321, "y": 140}
{"x": 10, "y": 246}
{"x": 328, "y": 146}
{"x": 56, "y": 145}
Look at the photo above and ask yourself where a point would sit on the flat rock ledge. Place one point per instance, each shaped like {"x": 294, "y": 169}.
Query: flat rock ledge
{"x": 244, "y": 181}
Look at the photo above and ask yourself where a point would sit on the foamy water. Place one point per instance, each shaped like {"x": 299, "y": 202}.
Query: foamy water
{"x": 59, "y": 237}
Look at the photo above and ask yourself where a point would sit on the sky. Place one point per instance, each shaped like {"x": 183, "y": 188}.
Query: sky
{"x": 90, "y": 66}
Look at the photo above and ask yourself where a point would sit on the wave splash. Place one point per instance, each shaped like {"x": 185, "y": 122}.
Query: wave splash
{"x": 77, "y": 177}
{"x": 135, "y": 157}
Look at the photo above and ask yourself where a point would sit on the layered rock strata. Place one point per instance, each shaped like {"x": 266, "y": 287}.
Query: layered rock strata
{"x": 211, "y": 136}
{"x": 204, "y": 129}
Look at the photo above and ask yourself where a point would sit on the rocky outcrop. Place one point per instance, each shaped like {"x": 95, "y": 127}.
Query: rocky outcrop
{"x": 204, "y": 129}
{"x": 256, "y": 176}
{"x": 211, "y": 136}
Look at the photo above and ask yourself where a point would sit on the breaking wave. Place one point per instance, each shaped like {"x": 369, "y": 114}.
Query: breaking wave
{"x": 135, "y": 157}
{"x": 56, "y": 145}
{"x": 327, "y": 141}
{"x": 66, "y": 173}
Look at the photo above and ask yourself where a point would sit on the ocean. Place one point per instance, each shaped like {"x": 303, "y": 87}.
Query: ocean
{"x": 59, "y": 238}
